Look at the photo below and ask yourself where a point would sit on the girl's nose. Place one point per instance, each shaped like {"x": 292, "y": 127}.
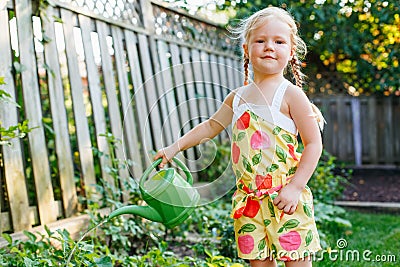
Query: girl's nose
{"x": 269, "y": 46}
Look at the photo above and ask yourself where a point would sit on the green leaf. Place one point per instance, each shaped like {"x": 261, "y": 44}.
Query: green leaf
{"x": 273, "y": 195}
{"x": 7, "y": 237}
{"x": 287, "y": 138}
{"x": 57, "y": 19}
{"x": 49, "y": 233}
{"x": 276, "y": 130}
{"x": 241, "y": 135}
{"x": 2, "y": 80}
{"x": 281, "y": 154}
{"x": 256, "y": 158}
{"x": 292, "y": 171}
{"x": 267, "y": 222}
{"x": 247, "y": 165}
{"x": 247, "y": 228}
{"x": 290, "y": 224}
{"x": 253, "y": 115}
{"x": 271, "y": 208}
{"x": 104, "y": 261}
{"x": 307, "y": 210}
{"x": 31, "y": 236}
{"x": 28, "y": 262}
{"x": 261, "y": 245}
{"x": 273, "y": 167}
{"x": 19, "y": 68}
{"x": 309, "y": 237}
{"x": 274, "y": 250}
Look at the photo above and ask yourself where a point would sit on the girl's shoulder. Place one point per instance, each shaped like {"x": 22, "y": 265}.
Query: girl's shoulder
{"x": 294, "y": 93}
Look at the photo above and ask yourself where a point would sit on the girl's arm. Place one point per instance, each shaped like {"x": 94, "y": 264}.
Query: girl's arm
{"x": 201, "y": 133}
{"x": 301, "y": 112}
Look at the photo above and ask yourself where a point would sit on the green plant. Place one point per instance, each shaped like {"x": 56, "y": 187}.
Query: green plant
{"x": 220, "y": 152}
{"x": 15, "y": 131}
{"x": 330, "y": 220}
{"x": 48, "y": 250}
{"x": 328, "y": 180}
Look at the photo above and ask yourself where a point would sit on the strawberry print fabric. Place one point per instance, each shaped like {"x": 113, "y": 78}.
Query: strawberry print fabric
{"x": 264, "y": 158}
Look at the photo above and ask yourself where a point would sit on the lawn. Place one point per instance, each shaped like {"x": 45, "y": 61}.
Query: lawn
{"x": 374, "y": 240}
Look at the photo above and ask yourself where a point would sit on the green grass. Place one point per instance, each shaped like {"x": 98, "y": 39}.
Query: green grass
{"x": 375, "y": 234}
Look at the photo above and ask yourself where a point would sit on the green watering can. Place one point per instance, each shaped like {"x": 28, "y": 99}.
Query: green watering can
{"x": 170, "y": 198}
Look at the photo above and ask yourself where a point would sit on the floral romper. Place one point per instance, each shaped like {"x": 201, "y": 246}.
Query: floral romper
{"x": 264, "y": 158}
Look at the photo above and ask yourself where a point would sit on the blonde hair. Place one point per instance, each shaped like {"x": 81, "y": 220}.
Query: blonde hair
{"x": 246, "y": 26}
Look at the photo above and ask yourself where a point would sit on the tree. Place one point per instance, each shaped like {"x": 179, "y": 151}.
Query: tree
{"x": 357, "y": 40}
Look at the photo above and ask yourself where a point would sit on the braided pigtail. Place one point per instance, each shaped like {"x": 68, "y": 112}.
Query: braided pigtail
{"x": 296, "y": 70}
{"x": 299, "y": 77}
{"x": 246, "y": 70}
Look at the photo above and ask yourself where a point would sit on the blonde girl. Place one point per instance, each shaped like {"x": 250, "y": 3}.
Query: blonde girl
{"x": 272, "y": 205}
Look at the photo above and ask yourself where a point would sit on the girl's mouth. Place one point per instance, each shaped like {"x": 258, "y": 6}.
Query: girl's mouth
{"x": 268, "y": 57}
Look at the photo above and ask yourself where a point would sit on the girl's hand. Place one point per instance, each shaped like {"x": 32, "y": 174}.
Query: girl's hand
{"x": 288, "y": 198}
{"x": 167, "y": 153}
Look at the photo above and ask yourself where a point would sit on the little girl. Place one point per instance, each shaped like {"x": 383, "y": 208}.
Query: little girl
{"x": 272, "y": 206}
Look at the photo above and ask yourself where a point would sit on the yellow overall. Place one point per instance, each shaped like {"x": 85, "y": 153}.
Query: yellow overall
{"x": 264, "y": 158}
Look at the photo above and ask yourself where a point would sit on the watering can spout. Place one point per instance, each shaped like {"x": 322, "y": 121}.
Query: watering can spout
{"x": 146, "y": 212}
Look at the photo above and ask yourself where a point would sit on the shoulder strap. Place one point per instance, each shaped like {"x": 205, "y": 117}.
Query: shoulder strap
{"x": 278, "y": 96}
{"x": 236, "y": 98}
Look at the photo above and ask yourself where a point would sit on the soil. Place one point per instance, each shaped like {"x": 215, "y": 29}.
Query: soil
{"x": 374, "y": 185}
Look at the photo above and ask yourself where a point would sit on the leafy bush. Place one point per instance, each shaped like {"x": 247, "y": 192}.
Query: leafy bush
{"x": 328, "y": 181}
{"x": 15, "y": 131}
{"x": 220, "y": 152}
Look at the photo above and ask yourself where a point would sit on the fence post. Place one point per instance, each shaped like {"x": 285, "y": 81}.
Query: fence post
{"x": 147, "y": 13}
{"x": 355, "y": 110}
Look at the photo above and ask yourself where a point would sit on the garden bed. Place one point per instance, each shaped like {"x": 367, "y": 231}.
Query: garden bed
{"x": 373, "y": 185}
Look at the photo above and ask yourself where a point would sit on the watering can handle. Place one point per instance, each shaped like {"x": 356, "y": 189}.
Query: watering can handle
{"x": 146, "y": 173}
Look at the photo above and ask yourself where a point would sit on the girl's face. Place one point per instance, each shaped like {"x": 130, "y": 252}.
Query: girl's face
{"x": 269, "y": 47}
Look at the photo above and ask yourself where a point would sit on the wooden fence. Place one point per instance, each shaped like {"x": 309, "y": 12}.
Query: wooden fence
{"x": 80, "y": 72}
{"x": 362, "y": 130}
{"x": 83, "y": 71}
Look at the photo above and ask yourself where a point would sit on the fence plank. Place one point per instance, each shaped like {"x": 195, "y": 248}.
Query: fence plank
{"x": 139, "y": 99}
{"x": 183, "y": 102}
{"x": 112, "y": 98}
{"x": 215, "y": 77}
{"x": 164, "y": 134}
{"x": 81, "y": 122}
{"x": 219, "y": 98}
{"x": 209, "y": 94}
{"x": 190, "y": 85}
{"x": 388, "y": 138}
{"x": 373, "y": 133}
{"x": 37, "y": 142}
{"x": 224, "y": 78}
{"x": 230, "y": 73}
{"x": 171, "y": 119}
{"x": 96, "y": 100}
{"x": 199, "y": 85}
{"x": 239, "y": 77}
{"x": 12, "y": 155}
{"x": 396, "y": 131}
{"x": 329, "y": 127}
{"x": 129, "y": 132}
{"x": 150, "y": 92}
{"x": 59, "y": 115}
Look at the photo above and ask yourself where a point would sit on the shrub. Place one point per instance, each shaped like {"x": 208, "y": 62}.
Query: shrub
{"x": 328, "y": 180}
